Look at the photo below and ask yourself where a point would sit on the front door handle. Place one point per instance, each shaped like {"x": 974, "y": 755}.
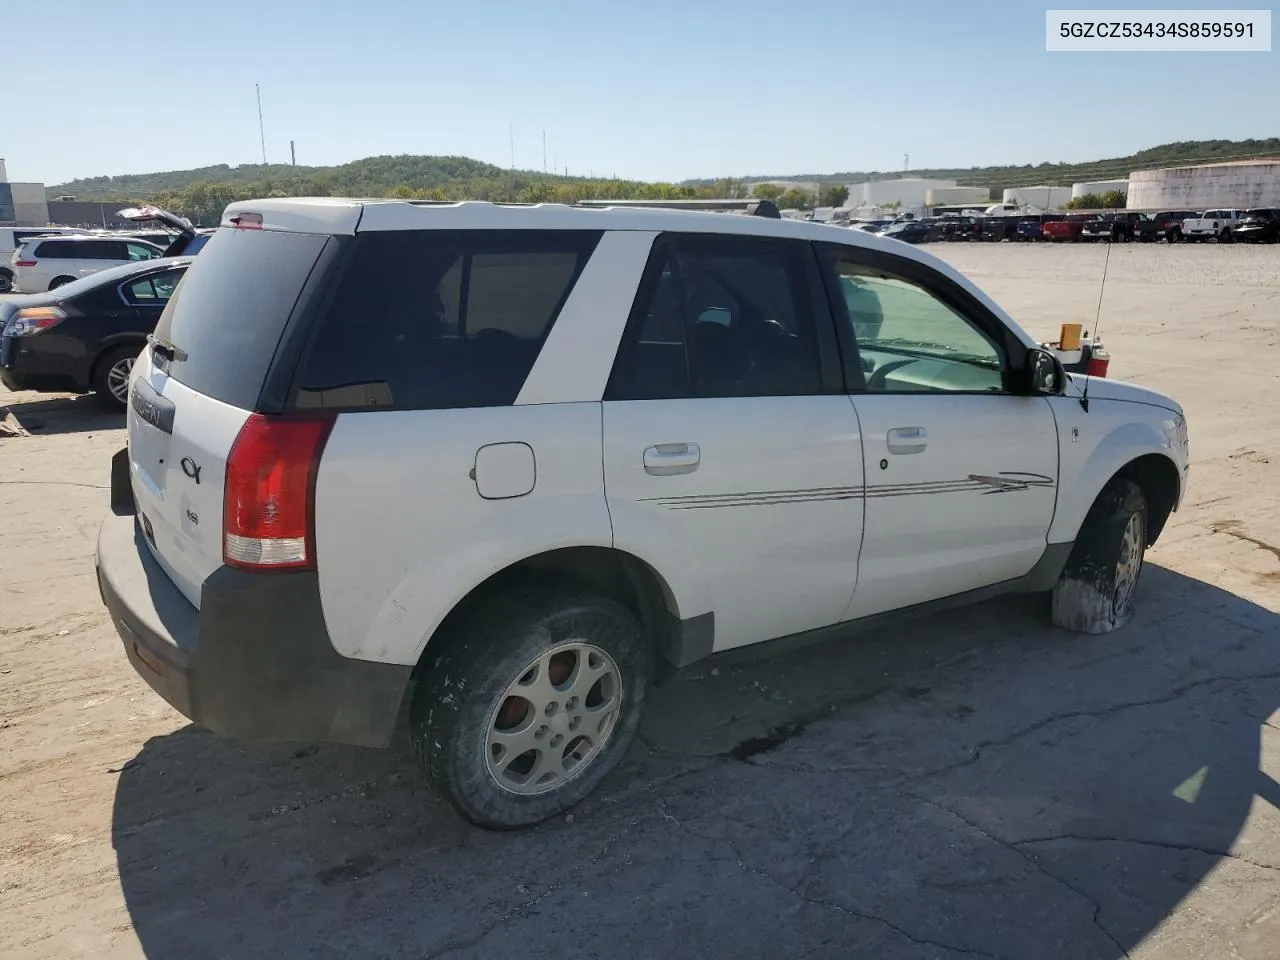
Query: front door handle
{"x": 907, "y": 439}
{"x": 668, "y": 459}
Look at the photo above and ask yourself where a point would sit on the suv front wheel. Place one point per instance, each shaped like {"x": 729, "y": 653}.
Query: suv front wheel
{"x": 535, "y": 699}
{"x": 1095, "y": 592}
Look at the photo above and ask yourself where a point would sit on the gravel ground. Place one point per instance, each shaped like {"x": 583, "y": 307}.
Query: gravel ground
{"x": 978, "y": 784}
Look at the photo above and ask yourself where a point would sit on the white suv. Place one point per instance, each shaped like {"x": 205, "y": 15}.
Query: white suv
{"x": 46, "y": 263}
{"x": 508, "y": 466}
{"x": 11, "y": 238}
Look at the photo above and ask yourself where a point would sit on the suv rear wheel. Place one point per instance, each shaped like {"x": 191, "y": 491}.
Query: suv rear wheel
{"x": 534, "y": 701}
{"x": 60, "y": 282}
{"x": 1095, "y": 592}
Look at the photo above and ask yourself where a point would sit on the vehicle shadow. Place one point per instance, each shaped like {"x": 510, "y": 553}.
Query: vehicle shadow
{"x": 977, "y": 783}
{"x": 62, "y": 414}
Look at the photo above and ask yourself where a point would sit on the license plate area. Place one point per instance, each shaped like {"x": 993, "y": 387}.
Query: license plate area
{"x": 150, "y": 432}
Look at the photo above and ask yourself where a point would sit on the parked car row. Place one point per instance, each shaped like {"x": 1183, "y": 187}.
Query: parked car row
{"x": 35, "y": 260}
{"x": 1258, "y": 225}
{"x": 94, "y": 299}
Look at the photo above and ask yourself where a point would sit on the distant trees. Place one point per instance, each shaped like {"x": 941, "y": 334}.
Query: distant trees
{"x": 1111, "y": 200}
{"x": 204, "y": 202}
{"x": 833, "y": 196}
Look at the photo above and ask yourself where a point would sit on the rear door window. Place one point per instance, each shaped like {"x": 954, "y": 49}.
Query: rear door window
{"x": 227, "y": 315}
{"x": 434, "y": 319}
{"x": 152, "y": 291}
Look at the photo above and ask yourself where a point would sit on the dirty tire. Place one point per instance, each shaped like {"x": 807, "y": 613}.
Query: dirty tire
{"x": 462, "y": 693}
{"x": 1095, "y": 592}
{"x": 105, "y": 374}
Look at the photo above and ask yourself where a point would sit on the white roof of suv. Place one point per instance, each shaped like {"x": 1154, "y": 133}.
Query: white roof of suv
{"x": 347, "y": 216}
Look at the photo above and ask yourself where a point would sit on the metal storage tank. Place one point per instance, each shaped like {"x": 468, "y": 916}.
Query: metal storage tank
{"x": 1243, "y": 183}
{"x": 1098, "y": 187}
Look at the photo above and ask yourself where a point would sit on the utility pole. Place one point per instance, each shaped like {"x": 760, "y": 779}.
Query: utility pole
{"x": 261, "y": 130}
{"x": 906, "y": 162}
{"x": 293, "y": 154}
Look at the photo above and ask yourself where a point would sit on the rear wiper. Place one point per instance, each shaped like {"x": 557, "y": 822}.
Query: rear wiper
{"x": 169, "y": 351}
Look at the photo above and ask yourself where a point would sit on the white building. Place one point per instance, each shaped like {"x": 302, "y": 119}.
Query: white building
{"x": 1038, "y": 198}
{"x": 22, "y": 204}
{"x": 1243, "y": 183}
{"x": 1099, "y": 187}
{"x": 948, "y": 196}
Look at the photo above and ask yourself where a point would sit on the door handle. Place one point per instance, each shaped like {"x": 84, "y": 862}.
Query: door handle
{"x": 907, "y": 439}
{"x": 667, "y": 459}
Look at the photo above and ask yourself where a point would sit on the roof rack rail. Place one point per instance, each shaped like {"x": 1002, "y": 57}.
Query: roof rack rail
{"x": 754, "y": 208}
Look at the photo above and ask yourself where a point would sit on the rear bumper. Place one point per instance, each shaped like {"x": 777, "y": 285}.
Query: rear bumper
{"x": 255, "y": 661}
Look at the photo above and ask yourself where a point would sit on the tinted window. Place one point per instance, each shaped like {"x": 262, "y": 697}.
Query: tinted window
{"x": 909, "y": 340}
{"x": 153, "y": 290}
{"x": 137, "y": 251}
{"x": 433, "y": 319}
{"x": 54, "y": 250}
{"x": 96, "y": 250}
{"x": 228, "y": 313}
{"x": 720, "y": 317}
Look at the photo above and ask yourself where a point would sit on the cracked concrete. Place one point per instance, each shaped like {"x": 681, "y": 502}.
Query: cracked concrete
{"x": 972, "y": 785}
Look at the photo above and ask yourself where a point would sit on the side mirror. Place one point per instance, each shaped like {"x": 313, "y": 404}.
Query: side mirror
{"x": 1045, "y": 375}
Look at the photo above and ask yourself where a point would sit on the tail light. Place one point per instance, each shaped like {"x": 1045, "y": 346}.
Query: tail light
{"x": 24, "y": 263}
{"x": 268, "y": 514}
{"x": 32, "y": 320}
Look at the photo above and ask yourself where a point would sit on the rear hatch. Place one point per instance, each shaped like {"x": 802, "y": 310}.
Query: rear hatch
{"x": 183, "y": 229}
{"x": 198, "y": 382}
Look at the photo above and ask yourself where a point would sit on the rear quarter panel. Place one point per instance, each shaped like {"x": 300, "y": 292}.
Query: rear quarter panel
{"x": 403, "y": 534}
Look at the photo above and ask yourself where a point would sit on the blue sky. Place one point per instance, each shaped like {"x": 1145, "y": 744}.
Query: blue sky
{"x": 653, "y": 90}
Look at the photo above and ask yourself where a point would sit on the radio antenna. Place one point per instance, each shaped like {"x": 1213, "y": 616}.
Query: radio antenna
{"x": 1097, "y": 318}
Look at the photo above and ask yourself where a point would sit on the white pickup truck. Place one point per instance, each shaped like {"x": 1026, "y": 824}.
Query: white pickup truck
{"x": 1213, "y": 225}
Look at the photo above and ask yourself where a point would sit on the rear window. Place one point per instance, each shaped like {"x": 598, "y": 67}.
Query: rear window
{"x": 227, "y": 315}
{"x": 433, "y": 319}
{"x": 54, "y": 250}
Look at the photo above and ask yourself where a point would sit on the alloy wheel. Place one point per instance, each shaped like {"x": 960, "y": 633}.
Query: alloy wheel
{"x": 554, "y": 718}
{"x": 1128, "y": 566}
{"x": 118, "y": 378}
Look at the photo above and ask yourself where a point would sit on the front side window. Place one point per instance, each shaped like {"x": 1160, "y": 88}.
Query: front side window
{"x": 435, "y": 319}
{"x": 720, "y": 316}
{"x": 909, "y": 340}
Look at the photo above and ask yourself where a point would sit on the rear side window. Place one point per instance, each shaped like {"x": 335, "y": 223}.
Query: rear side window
{"x": 434, "y": 319}
{"x": 54, "y": 250}
{"x": 227, "y": 315}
